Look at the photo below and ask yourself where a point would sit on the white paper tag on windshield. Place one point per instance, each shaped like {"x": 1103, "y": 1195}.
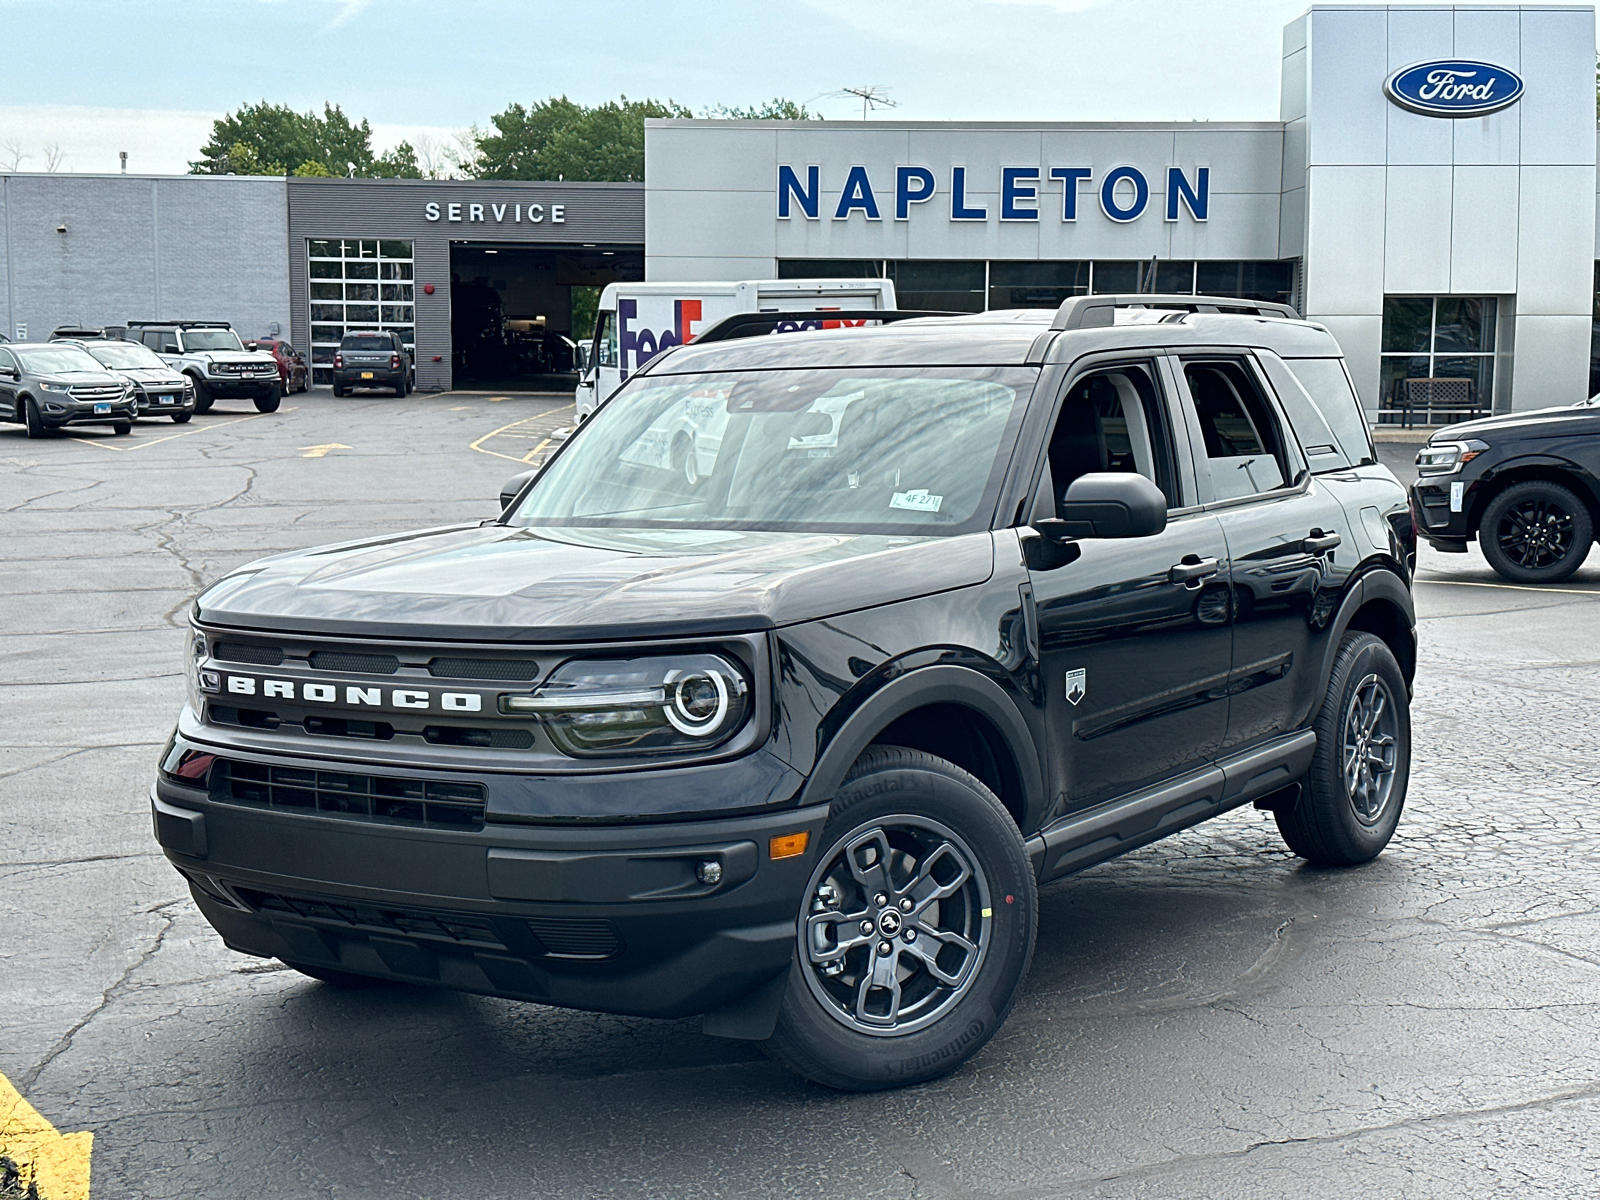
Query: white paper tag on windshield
{"x": 917, "y": 500}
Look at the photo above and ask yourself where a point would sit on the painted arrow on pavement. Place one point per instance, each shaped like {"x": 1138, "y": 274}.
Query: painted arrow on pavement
{"x": 322, "y": 451}
{"x": 57, "y": 1164}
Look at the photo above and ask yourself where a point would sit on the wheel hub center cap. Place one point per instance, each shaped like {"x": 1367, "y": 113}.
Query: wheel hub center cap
{"x": 889, "y": 923}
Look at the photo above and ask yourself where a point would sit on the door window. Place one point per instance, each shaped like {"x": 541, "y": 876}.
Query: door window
{"x": 1243, "y": 446}
{"x": 1112, "y": 420}
{"x": 605, "y": 340}
{"x": 7, "y": 363}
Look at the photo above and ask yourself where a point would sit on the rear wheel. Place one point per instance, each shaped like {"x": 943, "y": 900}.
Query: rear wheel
{"x": 918, "y": 927}
{"x": 340, "y": 391}
{"x": 1350, "y": 801}
{"x": 203, "y": 398}
{"x": 1536, "y": 532}
{"x": 33, "y": 420}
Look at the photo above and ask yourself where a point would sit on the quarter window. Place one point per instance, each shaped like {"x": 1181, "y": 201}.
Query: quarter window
{"x": 1243, "y": 447}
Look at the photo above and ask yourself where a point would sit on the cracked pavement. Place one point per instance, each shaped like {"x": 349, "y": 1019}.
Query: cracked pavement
{"x": 1205, "y": 1016}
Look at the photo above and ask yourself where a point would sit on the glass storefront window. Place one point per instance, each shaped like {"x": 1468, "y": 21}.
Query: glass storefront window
{"x": 954, "y": 286}
{"x": 345, "y": 293}
{"x": 830, "y": 268}
{"x": 1438, "y": 339}
{"x": 1036, "y": 284}
{"x": 1117, "y": 277}
{"x": 1272, "y": 281}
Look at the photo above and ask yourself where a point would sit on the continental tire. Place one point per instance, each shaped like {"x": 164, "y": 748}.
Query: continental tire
{"x": 1350, "y": 801}
{"x": 925, "y": 857}
{"x": 1536, "y": 532}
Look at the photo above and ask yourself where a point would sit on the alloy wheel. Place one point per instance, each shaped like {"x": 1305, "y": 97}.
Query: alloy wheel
{"x": 898, "y": 925}
{"x": 1536, "y": 533}
{"x": 1371, "y": 738}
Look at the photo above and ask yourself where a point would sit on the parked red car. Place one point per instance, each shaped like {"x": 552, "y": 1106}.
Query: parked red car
{"x": 293, "y": 374}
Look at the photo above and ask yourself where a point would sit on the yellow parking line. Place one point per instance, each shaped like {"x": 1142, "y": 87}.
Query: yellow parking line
{"x": 528, "y": 457}
{"x": 1511, "y": 587}
{"x": 56, "y": 1163}
{"x": 187, "y": 432}
{"x": 478, "y": 445}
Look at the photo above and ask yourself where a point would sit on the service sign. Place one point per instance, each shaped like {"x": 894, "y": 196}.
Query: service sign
{"x": 1454, "y": 88}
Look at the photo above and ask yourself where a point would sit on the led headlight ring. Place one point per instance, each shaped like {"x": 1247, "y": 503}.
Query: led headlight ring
{"x": 684, "y": 697}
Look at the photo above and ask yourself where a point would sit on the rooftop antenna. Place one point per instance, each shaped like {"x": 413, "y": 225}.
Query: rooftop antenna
{"x": 872, "y": 98}
{"x": 123, "y": 155}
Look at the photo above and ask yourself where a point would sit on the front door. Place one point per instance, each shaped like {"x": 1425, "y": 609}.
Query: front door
{"x": 1283, "y": 531}
{"x": 1134, "y": 636}
{"x": 8, "y": 385}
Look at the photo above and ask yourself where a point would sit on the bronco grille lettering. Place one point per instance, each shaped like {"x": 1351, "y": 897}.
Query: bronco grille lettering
{"x": 355, "y": 697}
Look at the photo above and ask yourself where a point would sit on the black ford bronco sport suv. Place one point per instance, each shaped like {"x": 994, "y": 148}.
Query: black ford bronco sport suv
{"x": 959, "y": 606}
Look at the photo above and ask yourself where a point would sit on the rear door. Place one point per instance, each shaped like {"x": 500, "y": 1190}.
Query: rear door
{"x": 1134, "y": 643}
{"x": 1283, "y": 530}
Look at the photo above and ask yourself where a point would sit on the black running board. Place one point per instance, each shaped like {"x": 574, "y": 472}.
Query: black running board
{"x": 1082, "y": 839}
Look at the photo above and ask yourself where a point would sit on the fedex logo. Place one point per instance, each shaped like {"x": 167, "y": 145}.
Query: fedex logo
{"x": 638, "y": 344}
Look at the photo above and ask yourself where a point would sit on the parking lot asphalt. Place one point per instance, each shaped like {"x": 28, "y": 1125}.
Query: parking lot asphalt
{"x": 1205, "y": 1017}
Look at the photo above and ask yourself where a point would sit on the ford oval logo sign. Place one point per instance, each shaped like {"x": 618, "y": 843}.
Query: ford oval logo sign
{"x": 1454, "y": 88}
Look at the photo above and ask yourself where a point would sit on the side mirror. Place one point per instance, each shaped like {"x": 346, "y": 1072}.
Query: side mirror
{"x": 1111, "y": 504}
{"x": 511, "y": 487}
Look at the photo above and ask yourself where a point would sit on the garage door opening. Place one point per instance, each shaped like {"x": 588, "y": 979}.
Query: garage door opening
{"x": 518, "y": 312}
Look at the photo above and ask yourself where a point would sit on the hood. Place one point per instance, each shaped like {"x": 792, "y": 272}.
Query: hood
{"x": 1538, "y": 422}
{"x": 151, "y": 374}
{"x": 236, "y": 356}
{"x": 67, "y": 378}
{"x": 496, "y": 583}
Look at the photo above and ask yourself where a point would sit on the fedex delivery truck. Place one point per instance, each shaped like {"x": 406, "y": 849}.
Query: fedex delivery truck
{"x": 637, "y": 321}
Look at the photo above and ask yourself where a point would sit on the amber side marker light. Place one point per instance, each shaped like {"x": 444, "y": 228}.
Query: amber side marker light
{"x": 789, "y": 845}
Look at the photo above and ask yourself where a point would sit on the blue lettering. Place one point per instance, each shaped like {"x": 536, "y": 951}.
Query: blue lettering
{"x": 1196, "y": 199}
{"x": 959, "y": 211}
{"x": 627, "y": 339}
{"x": 904, "y": 196}
{"x": 789, "y": 188}
{"x": 1070, "y": 178}
{"x": 1108, "y": 194}
{"x": 857, "y": 194}
{"x": 646, "y": 348}
{"x": 1011, "y": 191}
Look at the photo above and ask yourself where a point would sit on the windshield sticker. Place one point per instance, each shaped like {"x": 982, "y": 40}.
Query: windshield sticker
{"x": 917, "y": 500}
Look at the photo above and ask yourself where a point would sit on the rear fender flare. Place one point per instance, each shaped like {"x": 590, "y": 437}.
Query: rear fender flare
{"x": 940, "y": 683}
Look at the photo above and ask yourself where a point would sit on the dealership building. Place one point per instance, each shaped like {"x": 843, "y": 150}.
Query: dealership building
{"x": 1428, "y": 194}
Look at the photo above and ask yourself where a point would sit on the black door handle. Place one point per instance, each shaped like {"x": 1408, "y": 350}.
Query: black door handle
{"x": 1319, "y": 542}
{"x": 1192, "y": 570}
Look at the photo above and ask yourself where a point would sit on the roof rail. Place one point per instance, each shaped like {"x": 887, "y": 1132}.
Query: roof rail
{"x": 183, "y": 324}
{"x": 1089, "y": 312}
{"x": 754, "y": 324}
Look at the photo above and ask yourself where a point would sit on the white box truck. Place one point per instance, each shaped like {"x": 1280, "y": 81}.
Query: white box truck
{"x": 637, "y": 321}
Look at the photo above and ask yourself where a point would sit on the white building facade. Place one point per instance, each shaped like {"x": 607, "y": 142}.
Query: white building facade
{"x": 1440, "y": 221}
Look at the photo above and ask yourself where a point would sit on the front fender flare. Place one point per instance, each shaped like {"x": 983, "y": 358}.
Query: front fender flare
{"x": 939, "y": 683}
{"x": 1377, "y": 584}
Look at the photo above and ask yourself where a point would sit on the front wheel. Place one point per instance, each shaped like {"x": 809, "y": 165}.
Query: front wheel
{"x": 267, "y": 404}
{"x": 1350, "y": 801}
{"x": 34, "y": 420}
{"x": 203, "y": 398}
{"x": 181, "y": 418}
{"x": 917, "y": 930}
{"x": 1536, "y": 532}
{"x": 119, "y": 428}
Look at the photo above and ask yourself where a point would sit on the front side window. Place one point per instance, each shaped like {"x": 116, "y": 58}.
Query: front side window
{"x": 605, "y": 340}
{"x": 906, "y": 450}
{"x": 1243, "y": 447}
{"x": 1112, "y": 420}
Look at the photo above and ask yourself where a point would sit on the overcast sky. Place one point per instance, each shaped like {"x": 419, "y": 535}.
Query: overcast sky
{"x": 98, "y": 76}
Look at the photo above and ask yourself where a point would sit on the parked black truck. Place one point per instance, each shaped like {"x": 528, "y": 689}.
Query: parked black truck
{"x": 958, "y": 606}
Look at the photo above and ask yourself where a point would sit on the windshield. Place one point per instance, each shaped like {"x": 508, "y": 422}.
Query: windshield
{"x": 57, "y": 359}
{"x": 211, "y": 339}
{"x": 912, "y": 450}
{"x": 124, "y": 355}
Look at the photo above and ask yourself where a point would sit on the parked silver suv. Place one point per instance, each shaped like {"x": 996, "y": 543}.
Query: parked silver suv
{"x": 50, "y": 385}
{"x": 215, "y": 360}
{"x": 161, "y": 391}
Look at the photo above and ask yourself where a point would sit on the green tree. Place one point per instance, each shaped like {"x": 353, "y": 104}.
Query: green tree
{"x": 776, "y": 109}
{"x": 560, "y": 139}
{"x": 266, "y": 139}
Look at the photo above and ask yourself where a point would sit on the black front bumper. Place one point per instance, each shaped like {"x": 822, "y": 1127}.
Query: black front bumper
{"x": 224, "y": 387}
{"x": 604, "y": 918}
{"x": 1441, "y": 518}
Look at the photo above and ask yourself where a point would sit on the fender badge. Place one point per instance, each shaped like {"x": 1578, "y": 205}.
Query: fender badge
{"x": 1077, "y": 684}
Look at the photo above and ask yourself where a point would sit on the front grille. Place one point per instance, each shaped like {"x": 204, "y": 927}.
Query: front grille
{"x": 576, "y": 937}
{"x": 495, "y": 739}
{"x": 388, "y": 799}
{"x": 96, "y": 391}
{"x": 460, "y": 928}
{"x": 357, "y": 664}
{"x": 259, "y": 653}
{"x": 519, "y": 669}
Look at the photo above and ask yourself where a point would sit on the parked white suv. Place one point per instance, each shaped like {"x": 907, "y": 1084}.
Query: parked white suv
{"x": 215, "y": 361}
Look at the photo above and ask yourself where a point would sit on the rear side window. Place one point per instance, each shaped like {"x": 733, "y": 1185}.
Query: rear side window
{"x": 1328, "y": 386}
{"x": 1243, "y": 448}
